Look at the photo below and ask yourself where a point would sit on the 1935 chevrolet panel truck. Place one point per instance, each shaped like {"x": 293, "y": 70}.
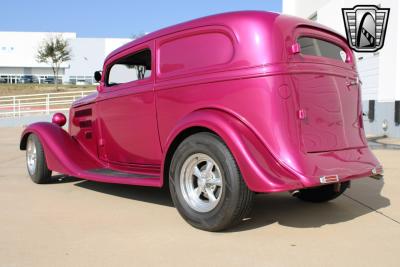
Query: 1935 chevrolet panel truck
{"x": 219, "y": 108}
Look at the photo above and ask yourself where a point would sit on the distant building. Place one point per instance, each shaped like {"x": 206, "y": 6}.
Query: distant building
{"x": 18, "y": 57}
{"x": 379, "y": 71}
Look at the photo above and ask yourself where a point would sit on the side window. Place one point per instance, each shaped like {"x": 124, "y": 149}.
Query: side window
{"x": 188, "y": 53}
{"x": 130, "y": 68}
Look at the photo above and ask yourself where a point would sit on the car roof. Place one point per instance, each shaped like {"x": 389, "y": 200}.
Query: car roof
{"x": 225, "y": 19}
{"x": 235, "y": 21}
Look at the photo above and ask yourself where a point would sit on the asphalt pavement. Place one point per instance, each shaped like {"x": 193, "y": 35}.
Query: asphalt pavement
{"x": 73, "y": 222}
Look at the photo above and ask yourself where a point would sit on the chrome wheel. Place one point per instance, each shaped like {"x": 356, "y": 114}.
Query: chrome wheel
{"x": 31, "y": 156}
{"x": 201, "y": 182}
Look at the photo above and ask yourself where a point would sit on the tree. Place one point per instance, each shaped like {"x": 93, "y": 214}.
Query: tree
{"x": 54, "y": 51}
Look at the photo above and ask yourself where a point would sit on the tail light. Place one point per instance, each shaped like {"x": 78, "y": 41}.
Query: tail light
{"x": 329, "y": 179}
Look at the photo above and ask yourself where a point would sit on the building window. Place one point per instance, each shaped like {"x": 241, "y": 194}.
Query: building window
{"x": 371, "y": 110}
{"x": 397, "y": 112}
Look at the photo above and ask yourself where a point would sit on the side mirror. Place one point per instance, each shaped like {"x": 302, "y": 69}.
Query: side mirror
{"x": 97, "y": 76}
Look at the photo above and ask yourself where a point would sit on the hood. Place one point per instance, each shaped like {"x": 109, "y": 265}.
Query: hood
{"x": 85, "y": 100}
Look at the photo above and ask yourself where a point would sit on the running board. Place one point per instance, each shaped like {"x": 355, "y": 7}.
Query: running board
{"x": 114, "y": 173}
{"x": 112, "y": 176}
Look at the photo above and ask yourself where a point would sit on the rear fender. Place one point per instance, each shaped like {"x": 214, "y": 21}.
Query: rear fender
{"x": 260, "y": 170}
{"x": 62, "y": 152}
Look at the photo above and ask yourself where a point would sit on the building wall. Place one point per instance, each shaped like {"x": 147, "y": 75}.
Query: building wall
{"x": 18, "y": 55}
{"x": 18, "y": 49}
{"x": 384, "y": 111}
{"x": 304, "y": 8}
{"x": 112, "y": 43}
{"x": 378, "y": 71}
{"x": 26, "y": 71}
{"x": 88, "y": 55}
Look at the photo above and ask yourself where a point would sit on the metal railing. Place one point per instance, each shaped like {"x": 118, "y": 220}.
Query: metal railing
{"x": 22, "y": 105}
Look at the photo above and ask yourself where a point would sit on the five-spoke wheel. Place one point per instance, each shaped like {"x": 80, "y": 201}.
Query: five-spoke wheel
{"x": 36, "y": 161}
{"x": 206, "y": 185}
{"x": 31, "y": 156}
{"x": 201, "y": 182}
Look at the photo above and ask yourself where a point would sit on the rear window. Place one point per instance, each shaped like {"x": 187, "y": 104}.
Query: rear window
{"x": 317, "y": 47}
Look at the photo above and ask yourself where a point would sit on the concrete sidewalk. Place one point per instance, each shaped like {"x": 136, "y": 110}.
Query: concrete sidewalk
{"x": 24, "y": 120}
{"x": 389, "y": 141}
{"x": 73, "y": 222}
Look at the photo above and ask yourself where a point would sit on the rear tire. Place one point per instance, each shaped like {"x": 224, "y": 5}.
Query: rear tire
{"x": 36, "y": 161}
{"x": 322, "y": 193}
{"x": 206, "y": 185}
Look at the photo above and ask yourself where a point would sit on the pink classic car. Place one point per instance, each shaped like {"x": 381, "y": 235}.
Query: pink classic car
{"x": 218, "y": 108}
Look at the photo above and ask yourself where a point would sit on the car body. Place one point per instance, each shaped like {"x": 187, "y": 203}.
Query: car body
{"x": 29, "y": 79}
{"x": 290, "y": 118}
{"x": 51, "y": 80}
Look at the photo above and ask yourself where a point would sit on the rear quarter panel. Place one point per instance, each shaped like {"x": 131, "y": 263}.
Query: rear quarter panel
{"x": 256, "y": 87}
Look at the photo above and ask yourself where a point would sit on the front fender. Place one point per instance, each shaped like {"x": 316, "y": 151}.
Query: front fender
{"x": 260, "y": 170}
{"x": 62, "y": 152}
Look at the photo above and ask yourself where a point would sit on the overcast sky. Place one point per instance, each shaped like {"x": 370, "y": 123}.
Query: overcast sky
{"x": 114, "y": 18}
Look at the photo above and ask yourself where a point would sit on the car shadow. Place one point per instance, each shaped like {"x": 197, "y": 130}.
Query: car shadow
{"x": 362, "y": 198}
{"x": 139, "y": 193}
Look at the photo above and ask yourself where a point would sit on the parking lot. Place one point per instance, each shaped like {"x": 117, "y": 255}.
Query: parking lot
{"x": 74, "y": 222}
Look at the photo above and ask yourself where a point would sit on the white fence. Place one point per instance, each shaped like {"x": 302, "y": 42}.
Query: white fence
{"x": 22, "y": 105}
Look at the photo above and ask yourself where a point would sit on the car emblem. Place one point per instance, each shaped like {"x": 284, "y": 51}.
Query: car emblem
{"x": 365, "y": 27}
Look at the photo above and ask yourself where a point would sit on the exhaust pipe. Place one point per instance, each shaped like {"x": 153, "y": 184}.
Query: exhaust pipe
{"x": 295, "y": 192}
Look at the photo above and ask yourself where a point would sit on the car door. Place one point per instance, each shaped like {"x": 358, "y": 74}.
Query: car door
{"x": 127, "y": 108}
{"x": 328, "y": 93}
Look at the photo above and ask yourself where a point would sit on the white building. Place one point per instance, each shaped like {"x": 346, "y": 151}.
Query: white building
{"x": 379, "y": 71}
{"x": 18, "y": 56}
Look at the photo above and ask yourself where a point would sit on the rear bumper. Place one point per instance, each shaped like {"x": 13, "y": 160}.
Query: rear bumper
{"x": 316, "y": 169}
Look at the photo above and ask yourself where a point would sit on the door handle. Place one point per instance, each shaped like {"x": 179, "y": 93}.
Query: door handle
{"x": 357, "y": 81}
{"x": 351, "y": 83}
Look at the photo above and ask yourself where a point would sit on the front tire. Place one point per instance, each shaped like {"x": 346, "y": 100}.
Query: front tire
{"x": 206, "y": 185}
{"x": 36, "y": 161}
{"x": 322, "y": 193}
